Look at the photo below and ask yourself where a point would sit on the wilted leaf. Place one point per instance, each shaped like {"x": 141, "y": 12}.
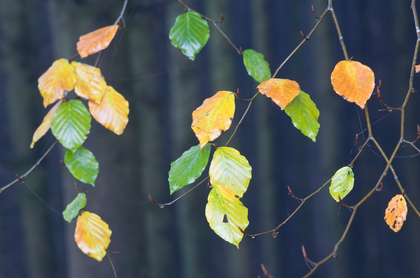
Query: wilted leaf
{"x": 225, "y": 213}
{"x": 186, "y": 169}
{"x": 230, "y": 169}
{"x": 112, "y": 111}
{"x": 256, "y": 66}
{"x": 90, "y": 84}
{"x": 353, "y": 81}
{"x": 396, "y": 212}
{"x": 92, "y": 235}
{"x": 72, "y": 209}
{"x": 189, "y": 33}
{"x": 45, "y": 125}
{"x": 56, "y": 81}
{"x": 304, "y": 114}
{"x": 281, "y": 91}
{"x": 70, "y": 124}
{"x": 96, "y": 41}
{"x": 213, "y": 116}
{"x": 342, "y": 183}
{"x": 82, "y": 164}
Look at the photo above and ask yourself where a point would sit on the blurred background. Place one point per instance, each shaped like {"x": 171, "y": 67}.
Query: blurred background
{"x": 163, "y": 87}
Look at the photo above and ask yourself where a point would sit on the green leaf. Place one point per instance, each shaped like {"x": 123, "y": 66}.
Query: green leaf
{"x": 82, "y": 164}
{"x": 71, "y": 123}
{"x": 342, "y": 183}
{"x": 189, "y": 33}
{"x": 304, "y": 114}
{"x": 225, "y": 213}
{"x": 74, "y": 207}
{"x": 256, "y": 66}
{"x": 230, "y": 169}
{"x": 187, "y": 168}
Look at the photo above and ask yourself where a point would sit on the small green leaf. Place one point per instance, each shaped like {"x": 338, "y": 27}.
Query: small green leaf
{"x": 304, "y": 114}
{"x": 71, "y": 124}
{"x": 342, "y": 183}
{"x": 82, "y": 164}
{"x": 187, "y": 168}
{"x": 256, "y": 66}
{"x": 74, "y": 207}
{"x": 189, "y": 33}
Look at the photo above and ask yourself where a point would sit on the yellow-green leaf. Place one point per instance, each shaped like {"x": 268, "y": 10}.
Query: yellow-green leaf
{"x": 92, "y": 235}
{"x": 112, "y": 111}
{"x": 56, "y": 81}
{"x": 213, "y": 116}
{"x": 396, "y": 212}
{"x": 342, "y": 183}
{"x": 90, "y": 84}
{"x": 225, "y": 213}
{"x": 45, "y": 125}
{"x": 96, "y": 41}
{"x": 281, "y": 91}
{"x": 230, "y": 169}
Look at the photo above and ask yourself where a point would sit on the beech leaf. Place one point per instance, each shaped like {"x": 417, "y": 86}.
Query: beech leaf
{"x": 112, "y": 111}
{"x": 396, "y": 212}
{"x": 96, "y": 41}
{"x": 225, "y": 213}
{"x": 256, "y": 66}
{"x": 82, "y": 164}
{"x": 342, "y": 183}
{"x": 90, "y": 84}
{"x": 213, "y": 116}
{"x": 72, "y": 209}
{"x": 56, "y": 81}
{"x": 189, "y": 33}
{"x": 45, "y": 125}
{"x": 304, "y": 114}
{"x": 281, "y": 91}
{"x": 92, "y": 235}
{"x": 353, "y": 81}
{"x": 187, "y": 168}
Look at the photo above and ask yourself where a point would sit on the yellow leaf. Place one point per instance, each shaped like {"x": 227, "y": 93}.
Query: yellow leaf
{"x": 353, "y": 81}
{"x": 90, "y": 84}
{"x": 56, "y": 81}
{"x": 96, "y": 41}
{"x": 396, "y": 212}
{"x": 281, "y": 91}
{"x": 417, "y": 67}
{"x": 112, "y": 112}
{"x": 213, "y": 116}
{"x": 45, "y": 125}
{"x": 92, "y": 235}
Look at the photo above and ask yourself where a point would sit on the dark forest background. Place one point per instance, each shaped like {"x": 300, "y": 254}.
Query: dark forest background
{"x": 163, "y": 87}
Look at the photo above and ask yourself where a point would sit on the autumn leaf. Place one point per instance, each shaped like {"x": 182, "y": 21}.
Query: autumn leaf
{"x": 417, "y": 68}
{"x": 90, "y": 84}
{"x": 45, "y": 125}
{"x": 92, "y": 235}
{"x": 256, "y": 66}
{"x": 112, "y": 111}
{"x": 72, "y": 209}
{"x": 281, "y": 91}
{"x": 225, "y": 213}
{"x": 396, "y": 212}
{"x": 82, "y": 164}
{"x": 96, "y": 41}
{"x": 342, "y": 183}
{"x": 56, "y": 81}
{"x": 353, "y": 81}
{"x": 213, "y": 116}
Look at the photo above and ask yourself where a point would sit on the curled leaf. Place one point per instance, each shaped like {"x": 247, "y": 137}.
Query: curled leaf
{"x": 396, "y": 212}
{"x": 96, "y": 41}
{"x": 72, "y": 209}
{"x": 45, "y": 125}
{"x": 281, "y": 91}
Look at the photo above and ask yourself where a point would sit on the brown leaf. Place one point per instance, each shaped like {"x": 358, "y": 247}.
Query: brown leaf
{"x": 396, "y": 212}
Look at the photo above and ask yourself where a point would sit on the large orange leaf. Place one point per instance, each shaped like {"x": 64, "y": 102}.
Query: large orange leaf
{"x": 90, "y": 84}
{"x": 213, "y": 116}
{"x": 92, "y": 235}
{"x": 396, "y": 212}
{"x": 112, "y": 111}
{"x": 45, "y": 125}
{"x": 281, "y": 91}
{"x": 56, "y": 81}
{"x": 96, "y": 41}
{"x": 353, "y": 81}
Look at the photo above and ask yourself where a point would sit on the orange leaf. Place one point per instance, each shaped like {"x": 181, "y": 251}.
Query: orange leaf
{"x": 92, "y": 235}
{"x": 45, "y": 125}
{"x": 396, "y": 212}
{"x": 96, "y": 41}
{"x": 353, "y": 81}
{"x": 112, "y": 112}
{"x": 56, "y": 81}
{"x": 213, "y": 116}
{"x": 417, "y": 68}
{"x": 281, "y": 91}
{"x": 90, "y": 84}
